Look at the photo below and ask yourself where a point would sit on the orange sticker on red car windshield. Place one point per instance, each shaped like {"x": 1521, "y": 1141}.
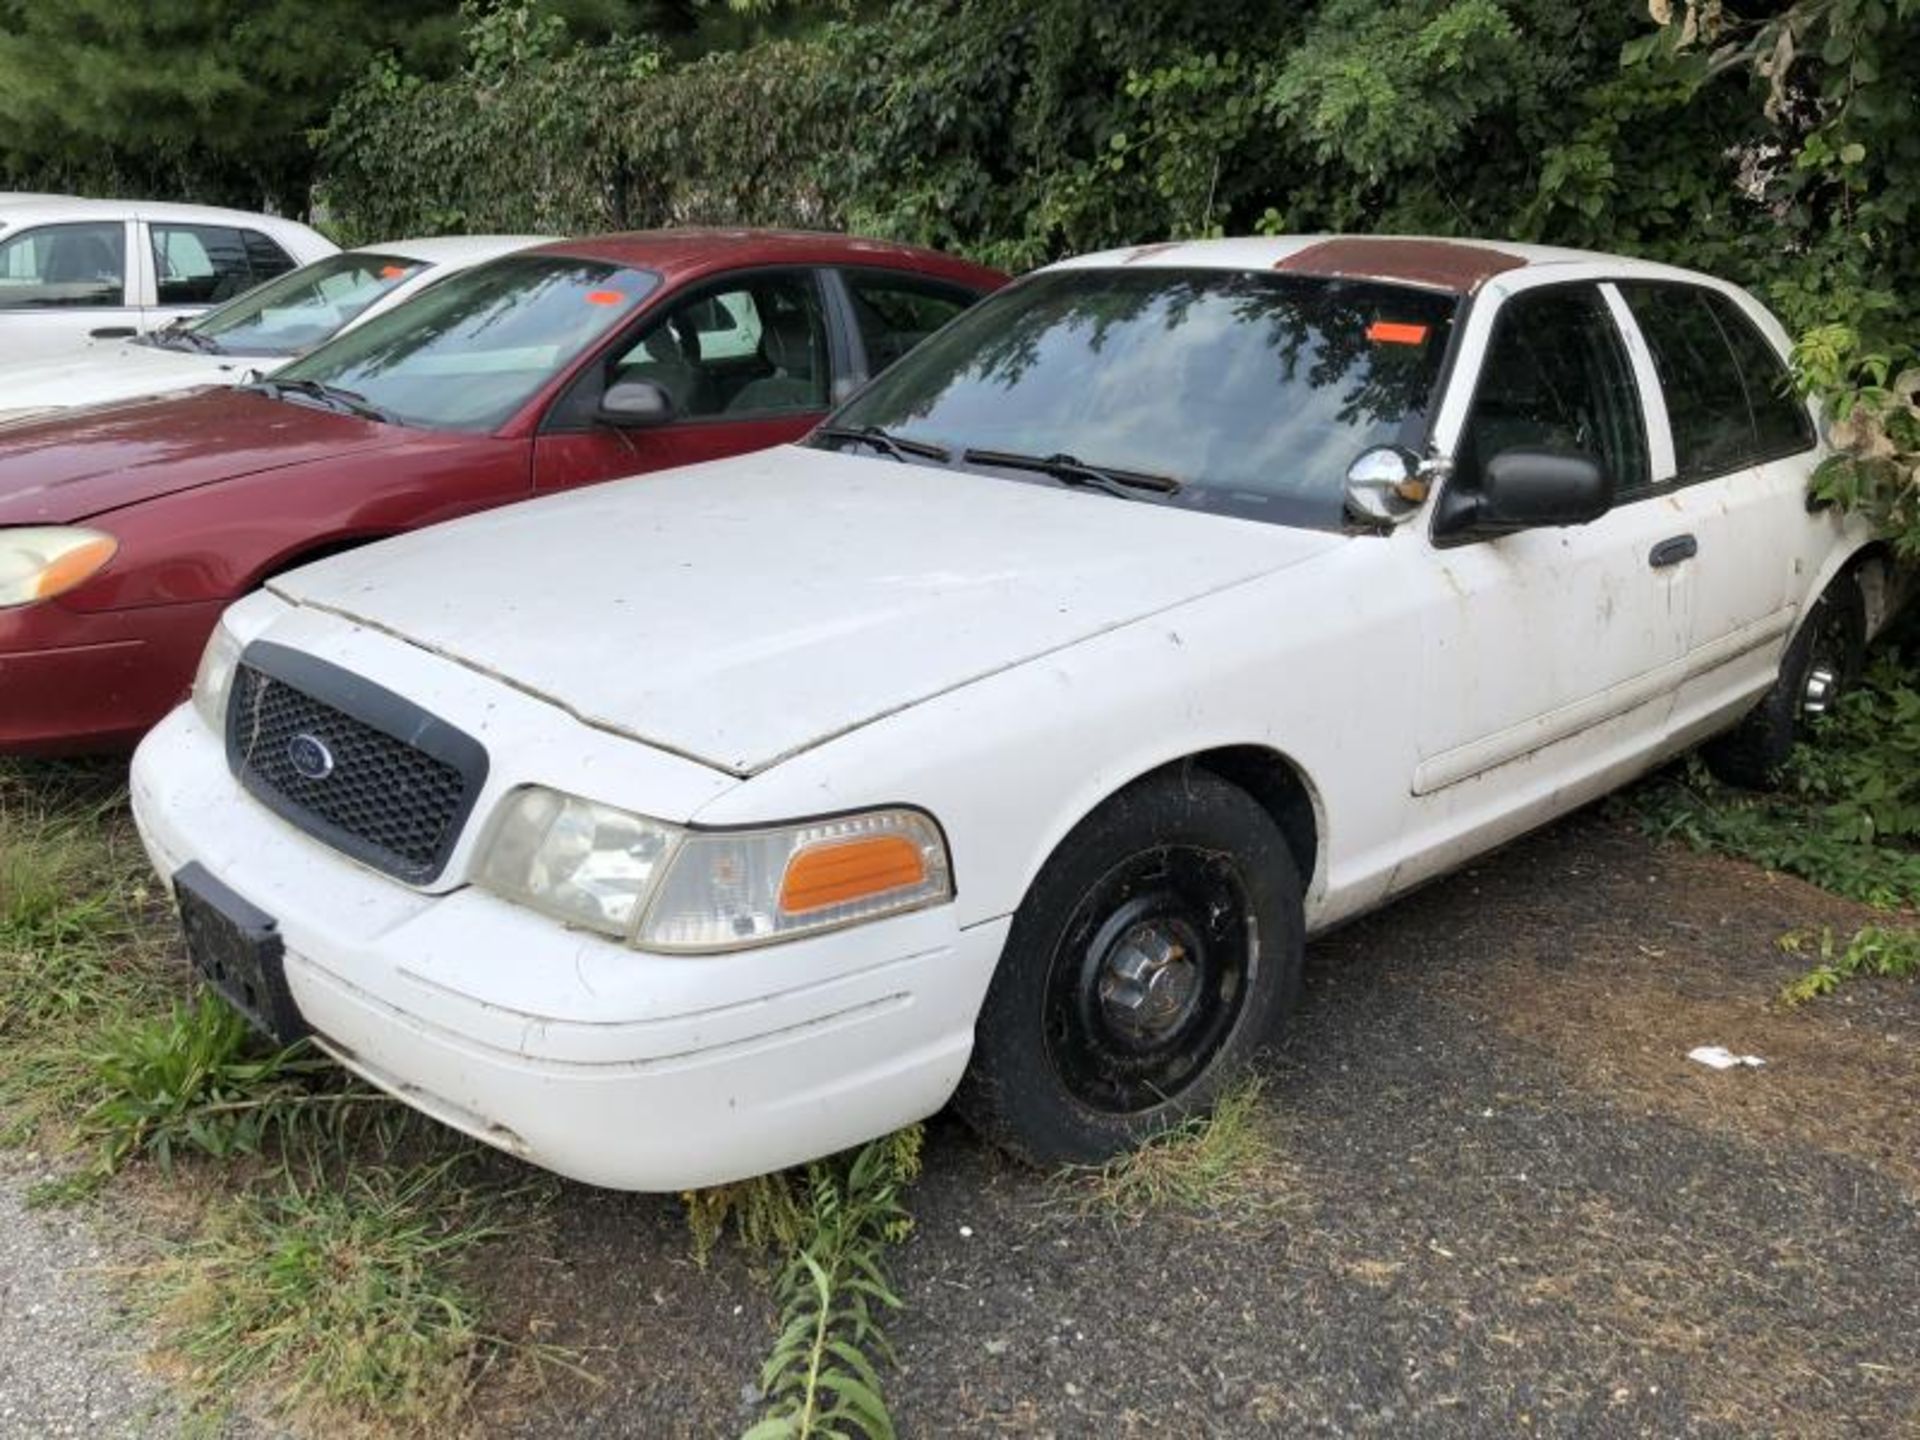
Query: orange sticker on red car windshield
{"x": 604, "y": 297}
{"x": 1396, "y": 332}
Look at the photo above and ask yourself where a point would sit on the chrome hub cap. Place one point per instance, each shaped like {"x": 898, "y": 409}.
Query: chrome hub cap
{"x": 1149, "y": 982}
{"x": 1816, "y": 698}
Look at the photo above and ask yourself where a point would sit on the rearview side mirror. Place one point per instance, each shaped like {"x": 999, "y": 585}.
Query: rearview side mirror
{"x": 1527, "y": 490}
{"x": 635, "y": 405}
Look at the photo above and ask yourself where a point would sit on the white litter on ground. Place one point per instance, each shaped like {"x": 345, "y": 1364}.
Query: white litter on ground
{"x": 1721, "y": 1058}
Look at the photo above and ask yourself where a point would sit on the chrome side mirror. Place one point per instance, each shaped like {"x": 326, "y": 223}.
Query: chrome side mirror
{"x": 1386, "y": 484}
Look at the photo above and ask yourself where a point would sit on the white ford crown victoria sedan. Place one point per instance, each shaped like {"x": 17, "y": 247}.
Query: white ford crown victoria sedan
{"x": 1005, "y": 741}
{"x": 255, "y": 334}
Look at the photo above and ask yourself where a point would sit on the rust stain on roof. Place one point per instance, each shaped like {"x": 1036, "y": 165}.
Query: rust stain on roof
{"x": 1439, "y": 263}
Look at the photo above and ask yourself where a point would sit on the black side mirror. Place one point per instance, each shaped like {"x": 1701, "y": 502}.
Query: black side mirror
{"x": 635, "y": 405}
{"x": 1527, "y": 490}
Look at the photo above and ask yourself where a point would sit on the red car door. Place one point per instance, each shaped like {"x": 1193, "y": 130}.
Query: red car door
{"x": 748, "y": 361}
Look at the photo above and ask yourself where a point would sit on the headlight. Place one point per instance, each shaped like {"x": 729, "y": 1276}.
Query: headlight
{"x": 38, "y": 562}
{"x": 214, "y": 678}
{"x": 663, "y": 887}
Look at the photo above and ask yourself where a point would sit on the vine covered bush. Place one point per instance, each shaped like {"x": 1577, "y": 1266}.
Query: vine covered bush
{"x": 1777, "y": 147}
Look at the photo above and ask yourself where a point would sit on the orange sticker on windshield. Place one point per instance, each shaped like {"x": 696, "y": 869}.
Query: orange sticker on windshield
{"x": 604, "y": 297}
{"x": 1395, "y": 332}
{"x": 392, "y": 272}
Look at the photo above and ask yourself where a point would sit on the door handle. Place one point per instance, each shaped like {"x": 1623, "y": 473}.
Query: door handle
{"x": 1673, "y": 550}
{"x": 113, "y": 332}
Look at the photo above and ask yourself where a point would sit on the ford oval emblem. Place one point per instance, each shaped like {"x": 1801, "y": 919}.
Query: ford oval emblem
{"x": 310, "y": 757}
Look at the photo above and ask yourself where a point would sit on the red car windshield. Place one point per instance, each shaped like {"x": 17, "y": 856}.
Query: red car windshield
{"x": 468, "y": 352}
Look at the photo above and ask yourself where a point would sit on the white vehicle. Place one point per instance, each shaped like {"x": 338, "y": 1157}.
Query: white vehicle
{"x": 1006, "y": 739}
{"x": 72, "y": 271}
{"x": 253, "y": 335}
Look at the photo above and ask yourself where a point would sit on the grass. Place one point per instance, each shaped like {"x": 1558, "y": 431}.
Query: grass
{"x": 1225, "y": 1165}
{"x": 340, "y": 1293}
{"x": 80, "y": 946}
{"x": 322, "y": 1274}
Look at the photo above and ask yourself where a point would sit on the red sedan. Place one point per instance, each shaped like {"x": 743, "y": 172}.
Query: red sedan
{"x": 125, "y": 530}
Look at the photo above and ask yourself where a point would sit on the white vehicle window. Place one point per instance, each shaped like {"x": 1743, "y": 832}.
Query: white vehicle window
{"x": 1254, "y": 391}
{"x": 200, "y": 264}
{"x": 1557, "y": 377}
{"x": 296, "y": 312}
{"x": 64, "y": 266}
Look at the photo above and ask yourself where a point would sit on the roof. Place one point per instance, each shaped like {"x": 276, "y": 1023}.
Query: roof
{"x": 42, "y": 209}
{"x": 682, "y": 252}
{"x": 455, "y": 249}
{"x": 1454, "y": 265}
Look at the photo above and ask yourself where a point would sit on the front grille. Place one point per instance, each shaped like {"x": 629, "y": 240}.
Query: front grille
{"x": 338, "y": 768}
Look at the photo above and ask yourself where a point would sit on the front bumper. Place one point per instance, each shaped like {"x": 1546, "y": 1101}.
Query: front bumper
{"x": 617, "y": 1068}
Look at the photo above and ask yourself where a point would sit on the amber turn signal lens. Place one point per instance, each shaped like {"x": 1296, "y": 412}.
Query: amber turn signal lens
{"x": 74, "y": 567}
{"x": 844, "y": 870}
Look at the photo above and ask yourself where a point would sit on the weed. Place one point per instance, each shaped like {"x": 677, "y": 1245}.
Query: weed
{"x": 1847, "y": 816}
{"x": 769, "y": 1212}
{"x": 1223, "y": 1164}
{"x": 1874, "y": 950}
{"x": 342, "y": 1292}
{"x": 821, "y": 1377}
{"x": 193, "y": 1079}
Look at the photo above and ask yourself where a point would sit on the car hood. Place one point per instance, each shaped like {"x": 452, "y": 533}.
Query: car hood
{"x": 57, "y": 469}
{"x": 120, "y": 371}
{"x": 740, "y": 612}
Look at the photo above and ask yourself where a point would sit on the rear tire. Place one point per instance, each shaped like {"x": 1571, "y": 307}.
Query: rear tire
{"x": 1822, "y": 662}
{"x": 1154, "y": 956}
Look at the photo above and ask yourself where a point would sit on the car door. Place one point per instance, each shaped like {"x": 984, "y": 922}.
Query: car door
{"x": 1549, "y": 655}
{"x": 1744, "y": 448}
{"x": 64, "y": 285}
{"x": 746, "y": 361}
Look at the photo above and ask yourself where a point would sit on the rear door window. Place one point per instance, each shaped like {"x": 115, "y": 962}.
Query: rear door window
{"x": 265, "y": 257}
{"x": 895, "y": 313}
{"x": 1709, "y": 405}
{"x": 200, "y": 264}
{"x": 1781, "y": 424}
{"x": 55, "y": 267}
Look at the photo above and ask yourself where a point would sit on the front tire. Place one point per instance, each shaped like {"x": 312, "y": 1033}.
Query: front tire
{"x": 1824, "y": 659}
{"x": 1157, "y": 951}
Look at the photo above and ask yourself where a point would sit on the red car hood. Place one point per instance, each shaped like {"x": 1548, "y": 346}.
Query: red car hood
{"x": 68, "y": 467}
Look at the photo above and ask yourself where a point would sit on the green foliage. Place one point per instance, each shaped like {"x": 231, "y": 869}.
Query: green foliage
{"x": 821, "y": 1378}
{"x": 1874, "y": 950}
{"x": 1848, "y": 815}
{"x": 344, "y": 1292}
{"x": 192, "y": 1079}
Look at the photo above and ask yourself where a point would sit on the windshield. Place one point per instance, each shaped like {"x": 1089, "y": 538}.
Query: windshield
{"x": 468, "y": 352}
{"x": 300, "y": 309}
{"x": 1254, "y": 391}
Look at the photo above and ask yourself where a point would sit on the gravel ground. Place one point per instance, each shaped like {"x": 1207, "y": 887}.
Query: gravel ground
{"x": 1504, "y": 1202}
{"x": 68, "y": 1361}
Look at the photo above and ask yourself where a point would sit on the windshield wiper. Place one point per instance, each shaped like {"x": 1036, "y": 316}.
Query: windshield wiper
{"x": 348, "y": 402}
{"x": 193, "y": 340}
{"x": 898, "y": 446}
{"x": 1127, "y": 484}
